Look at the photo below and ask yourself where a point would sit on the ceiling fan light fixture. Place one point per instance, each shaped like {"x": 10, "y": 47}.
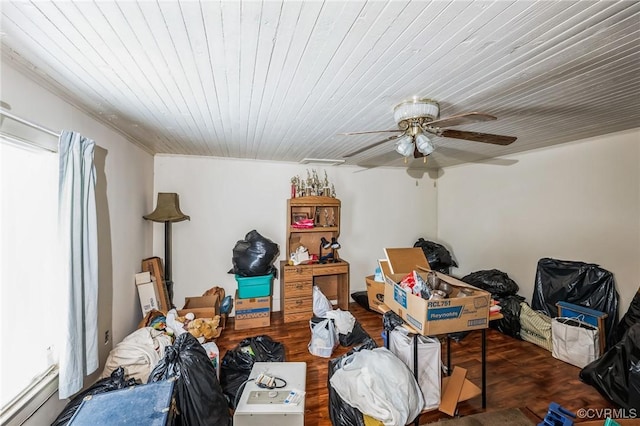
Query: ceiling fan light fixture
{"x": 404, "y": 146}
{"x": 416, "y": 108}
{"x": 423, "y": 144}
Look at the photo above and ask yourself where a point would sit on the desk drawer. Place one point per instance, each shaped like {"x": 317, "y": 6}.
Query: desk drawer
{"x": 330, "y": 270}
{"x": 296, "y": 305}
{"x": 298, "y": 273}
{"x": 298, "y": 289}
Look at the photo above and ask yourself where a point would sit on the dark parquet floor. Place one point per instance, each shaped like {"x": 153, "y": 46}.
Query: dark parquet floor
{"x": 519, "y": 374}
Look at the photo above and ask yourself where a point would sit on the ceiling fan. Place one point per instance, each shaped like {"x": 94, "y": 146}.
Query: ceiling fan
{"x": 418, "y": 125}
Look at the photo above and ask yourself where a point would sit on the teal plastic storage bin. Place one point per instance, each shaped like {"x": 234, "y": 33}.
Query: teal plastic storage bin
{"x": 259, "y": 286}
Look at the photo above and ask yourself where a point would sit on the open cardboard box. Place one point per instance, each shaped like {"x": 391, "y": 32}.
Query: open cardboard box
{"x": 458, "y": 312}
{"x": 201, "y": 306}
{"x": 375, "y": 294}
{"x": 404, "y": 260}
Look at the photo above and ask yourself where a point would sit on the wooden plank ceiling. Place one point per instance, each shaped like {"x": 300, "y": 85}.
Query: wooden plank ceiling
{"x": 278, "y": 80}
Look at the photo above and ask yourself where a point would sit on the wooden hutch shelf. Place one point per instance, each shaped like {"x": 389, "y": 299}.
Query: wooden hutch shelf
{"x": 331, "y": 276}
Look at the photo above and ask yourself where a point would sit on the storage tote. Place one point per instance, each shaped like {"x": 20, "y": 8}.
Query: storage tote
{"x": 250, "y": 287}
{"x": 151, "y": 404}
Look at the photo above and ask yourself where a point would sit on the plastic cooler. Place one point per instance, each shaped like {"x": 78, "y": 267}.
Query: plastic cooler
{"x": 249, "y": 287}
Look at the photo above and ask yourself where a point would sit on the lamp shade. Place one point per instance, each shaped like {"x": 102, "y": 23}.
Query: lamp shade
{"x": 424, "y": 145}
{"x": 404, "y": 146}
{"x": 167, "y": 209}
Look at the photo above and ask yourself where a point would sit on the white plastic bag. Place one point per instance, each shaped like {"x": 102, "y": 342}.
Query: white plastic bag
{"x": 574, "y": 341}
{"x": 321, "y": 304}
{"x": 324, "y": 338}
{"x": 378, "y": 384}
{"x": 429, "y": 360}
{"x": 344, "y": 320}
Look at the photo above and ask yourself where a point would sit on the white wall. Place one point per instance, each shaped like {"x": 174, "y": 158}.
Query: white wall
{"x": 124, "y": 194}
{"x": 577, "y": 201}
{"x": 228, "y": 198}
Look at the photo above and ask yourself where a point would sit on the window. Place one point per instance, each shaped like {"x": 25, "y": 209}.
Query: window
{"x": 30, "y": 294}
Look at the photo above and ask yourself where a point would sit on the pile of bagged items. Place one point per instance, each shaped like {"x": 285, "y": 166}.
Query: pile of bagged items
{"x": 391, "y": 394}
{"x": 616, "y": 374}
{"x": 437, "y": 255}
{"x": 332, "y": 327}
{"x": 197, "y": 392}
{"x": 237, "y": 363}
{"x": 504, "y": 290}
{"x": 115, "y": 381}
{"x": 579, "y": 283}
{"x": 183, "y": 344}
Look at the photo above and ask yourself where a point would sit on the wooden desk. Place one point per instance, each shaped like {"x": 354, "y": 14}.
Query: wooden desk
{"x": 296, "y": 287}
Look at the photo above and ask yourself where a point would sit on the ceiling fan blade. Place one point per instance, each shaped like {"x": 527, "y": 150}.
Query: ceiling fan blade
{"x": 372, "y": 131}
{"x": 416, "y": 153}
{"x": 472, "y": 157}
{"x": 478, "y": 137}
{"x": 456, "y": 120}
{"x": 372, "y": 145}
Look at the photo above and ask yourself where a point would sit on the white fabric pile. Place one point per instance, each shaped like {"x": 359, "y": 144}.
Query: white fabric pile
{"x": 344, "y": 320}
{"x": 378, "y": 384}
{"x": 138, "y": 353}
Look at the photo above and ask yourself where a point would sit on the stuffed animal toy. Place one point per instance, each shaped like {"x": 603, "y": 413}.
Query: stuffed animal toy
{"x": 207, "y": 328}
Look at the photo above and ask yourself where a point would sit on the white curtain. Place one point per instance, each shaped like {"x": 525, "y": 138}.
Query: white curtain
{"x": 78, "y": 232}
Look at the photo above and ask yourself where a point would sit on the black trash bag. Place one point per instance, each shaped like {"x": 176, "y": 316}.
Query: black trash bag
{"x": 341, "y": 413}
{"x": 437, "y": 255}
{"x": 362, "y": 299}
{"x": 356, "y": 336}
{"x": 610, "y": 374}
{"x": 631, "y": 317}
{"x": 254, "y": 256}
{"x": 391, "y": 320}
{"x": 634, "y": 386}
{"x": 494, "y": 281}
{"x": 583, "y": 284}
{"x": 114, "y": 382}
{"x": 510, "y": 309}
{"x": 237, "y": 363}
{"x": 199, "y": 395}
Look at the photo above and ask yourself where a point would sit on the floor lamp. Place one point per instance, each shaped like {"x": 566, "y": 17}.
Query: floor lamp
{"x": 167, "y": 211}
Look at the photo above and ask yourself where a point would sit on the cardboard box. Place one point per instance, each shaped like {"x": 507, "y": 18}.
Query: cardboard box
{"x": 201, "y": 307}
{"x": 153, "y": 265}
{"x": 431, "y": 317}
{"x": 252, "y": 313}
{"x": 143, "y": 277}
{"x": 375, "y": 294}
{"x": 148, "y": 297}
{"x": 405, "y": 260}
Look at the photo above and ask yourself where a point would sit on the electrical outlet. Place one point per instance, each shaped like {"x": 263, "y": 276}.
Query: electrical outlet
{"x": 107, "y": 337}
